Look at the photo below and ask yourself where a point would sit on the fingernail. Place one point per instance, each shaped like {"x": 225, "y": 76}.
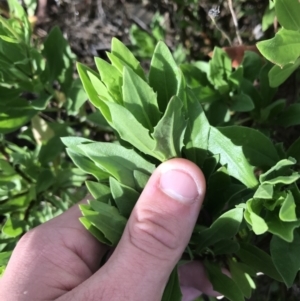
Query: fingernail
{"x": 179, "y": 185}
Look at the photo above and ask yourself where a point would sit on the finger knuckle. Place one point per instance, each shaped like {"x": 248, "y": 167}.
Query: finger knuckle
{"x": 153, "y": 231}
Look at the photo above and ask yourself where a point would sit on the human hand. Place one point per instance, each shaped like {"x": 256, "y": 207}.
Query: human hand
{"x": 60, "y": 260}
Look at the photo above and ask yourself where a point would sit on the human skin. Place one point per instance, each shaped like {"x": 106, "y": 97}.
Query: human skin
{"x": 60, "y": 260}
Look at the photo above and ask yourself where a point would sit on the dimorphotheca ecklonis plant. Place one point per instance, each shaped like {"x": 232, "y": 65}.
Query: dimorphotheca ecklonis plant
{"x": 156, "y": 116}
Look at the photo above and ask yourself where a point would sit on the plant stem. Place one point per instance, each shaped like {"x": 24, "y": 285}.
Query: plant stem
{"x": 221, "y": 30}
{"x": 235, "y": 22}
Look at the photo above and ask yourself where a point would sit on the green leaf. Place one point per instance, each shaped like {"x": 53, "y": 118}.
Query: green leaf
{"x": 94, "y": 231}
{"x": 264, "y": 191}
{"x": 87, "y": 165}
{"x": 169, "y": 132}
{"x": 13, "y": 227}
{"x": 268, "y": 18}
{"x": 257, "y": 148}
{"x": 164, "y": 75}
{"x": 232, "y": 156}
{"x": 73, "y": 142}
{"x": 17, "y": 202}
{"x": 271, "y": 111}
{"x": 241, "y": 103}
{"x": 98, "y": 190}
{"x": 117, "y": 160}
{"x": 14, "y": 115}
{"x": 294, "y": 150}
{"x": 225, "y": 246}
{"x": 241, "y": 278}
{"x": 226, "y": 226}
{"x": 285, "y": 256}
{"x": 252, "y": 64}
{"x": 194, "y": 76}
{"x": 172, "y": 290}
{"x": 59, "y": 57}
{"x": 197, "y": 131}
{"x": 287, "y": 13}
{"x": 267, "y": 93}
{"x": 119, "y": 50}
{"x": 130, "y": 130}
{"x": 258, "y": 260}
{"x": 98, "y": 119}
{"x": 99, "y": 87}
{"x": 222, "y": 283}
{"x": 253, "y": 208}
{"x": 4, "y": 257}
{"x": 111, "y": 77}
{"x": 141, "y": 180}
{"x": 108, "y": 220}
{"x": 124, "y": 196}
{"x": 287, "y": 211}
{"x": 44, "y": 181}
{"x": 217, "y": 186}
{"x": 281, "y": 173}
{"x": 18, "y": 11}
{"x": 283, "y": 49}
{"x": 278, "y": 75}
{"x": 220, "y": 70}
{"x": 284, "y": 230}
{"x": 84, "y": 73}
{"x": 290, "y": 116}
{"x": 140, "y": 99}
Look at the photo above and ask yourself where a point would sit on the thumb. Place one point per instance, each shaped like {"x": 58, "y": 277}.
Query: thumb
{"x": 154, "y": 239}
{"x": 158, "y": 230}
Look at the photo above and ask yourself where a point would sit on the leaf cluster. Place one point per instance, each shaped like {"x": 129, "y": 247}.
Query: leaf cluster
{"x": 158, "y": 116}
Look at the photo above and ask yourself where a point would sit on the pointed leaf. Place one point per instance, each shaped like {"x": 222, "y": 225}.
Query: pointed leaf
{"x": 111, "y": 77}
{"x": 226, "y": 226}
{"x": 294, "y": 150}
{"x": 287, "y": 13}
{"x": 87, "y": 166}
{"x": 130, "y": 130}
{"x": 264, "y": 191}
{"x": 258, "y": 260}
{"x": 99, "y": 86}
{"x": 232, "y": 156}
{"x": 94, "y": 231}
{"x": 117, "y": 160}
{"x": 287, "y": 211}
{"x": 124, "y": 196}
{"x": 197, "y": 132}
{"x": 258, "y": 148}
{"x": 109, "y": 221}
{"x": 278, "y": 75}
{"x": 283, "y": 49}
{"x": 98, "y": 189}
{"x": 119, "y": 50}
{"x": 241, "y": 278}
{"x": 169, "y": 132}
{"x": 164, "y": 75}
{"x": 285, "y": 256}
{"x": 140, "y": 99}
{"x": 253, "y": 207}
{"x": 141, "y": 180}
{"x": 91, "y": 91}
{"x": 172, "y": 290}
{"x": 284, "y": 230}
{"x": 222, "y": 283}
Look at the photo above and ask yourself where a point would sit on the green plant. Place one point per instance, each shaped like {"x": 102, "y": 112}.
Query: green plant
{"x": 283, "y": 49}
{"x": 249, "y": 222}
{"x": 157, "y": 117}
{"x": 40, "y": 102}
